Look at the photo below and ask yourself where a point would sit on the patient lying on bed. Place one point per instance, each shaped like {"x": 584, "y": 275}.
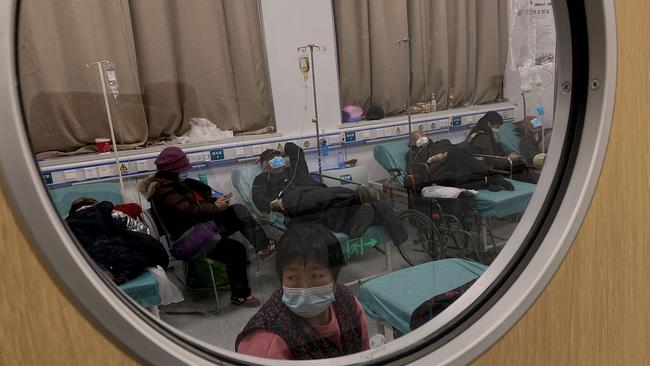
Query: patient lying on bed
{"x": 289, "y": 188}
{"x": 446, "y": 164}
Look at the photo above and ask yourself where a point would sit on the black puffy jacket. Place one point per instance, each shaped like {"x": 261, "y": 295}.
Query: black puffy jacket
{"x": 124, "y": 253}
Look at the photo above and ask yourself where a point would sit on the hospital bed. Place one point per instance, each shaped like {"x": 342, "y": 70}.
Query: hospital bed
{"x": 393, "y": 297}
{"x": 144, "y": 290}
{"x": 242, "y": 179}
{"x": 487, "y": 204}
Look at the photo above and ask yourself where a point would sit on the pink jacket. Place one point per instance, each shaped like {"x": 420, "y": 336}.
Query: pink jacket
{"x": 269, "y": 345}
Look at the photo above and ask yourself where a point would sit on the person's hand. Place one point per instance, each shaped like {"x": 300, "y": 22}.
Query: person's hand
{"x": 222, "y": 202}
{"x": 277, "y": 205}
{"x": 436, "y": 157}
{"x": 513, "y": 156}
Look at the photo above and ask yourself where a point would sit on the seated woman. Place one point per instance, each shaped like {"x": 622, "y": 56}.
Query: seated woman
{"x": 311, "y": 316}
{"x": 181, "y": 204}
{"x": 483, "y": 139}
{"x": 290, "y": 189}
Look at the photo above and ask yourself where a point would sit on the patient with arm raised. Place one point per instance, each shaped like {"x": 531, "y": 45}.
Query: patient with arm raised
{"x": 311, "y": 316}
{"x": 287, "y": 187}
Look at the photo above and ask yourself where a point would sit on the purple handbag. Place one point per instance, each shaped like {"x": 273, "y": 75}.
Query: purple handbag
{"x": 188, "y": 245}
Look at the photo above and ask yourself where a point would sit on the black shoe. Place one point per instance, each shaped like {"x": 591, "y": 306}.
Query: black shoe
{"x": 501, "y": 182}
{"x": 361, "y": 221}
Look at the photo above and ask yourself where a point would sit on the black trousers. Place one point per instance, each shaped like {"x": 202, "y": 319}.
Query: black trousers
{"x": 335, "y": 207}
{"x": 233, "y": 254}
{"x": 237, "y": 218}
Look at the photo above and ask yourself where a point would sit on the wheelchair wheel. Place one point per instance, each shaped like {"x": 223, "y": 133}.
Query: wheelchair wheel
{"x": 424, "y": 243}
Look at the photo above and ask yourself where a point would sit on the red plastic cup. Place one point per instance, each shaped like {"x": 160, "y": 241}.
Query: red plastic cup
{"x": 103, "y": 145}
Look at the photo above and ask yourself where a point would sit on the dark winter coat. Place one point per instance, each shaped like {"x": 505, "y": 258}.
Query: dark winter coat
{"x": 108, "y": 241}
{"x": 175, "y": 202}
{"x": 269, "y": 186}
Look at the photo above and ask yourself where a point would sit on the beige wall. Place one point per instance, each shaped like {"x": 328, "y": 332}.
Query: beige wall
{"x": 594, "y": 312}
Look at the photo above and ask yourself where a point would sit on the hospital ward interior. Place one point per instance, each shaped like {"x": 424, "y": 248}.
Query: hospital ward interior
{"x": 290, "y": 180}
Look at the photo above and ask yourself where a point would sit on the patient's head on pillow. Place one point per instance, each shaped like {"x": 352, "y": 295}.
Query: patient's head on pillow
{"x": 80, "y": 203}
{"x": 309, "y": 255}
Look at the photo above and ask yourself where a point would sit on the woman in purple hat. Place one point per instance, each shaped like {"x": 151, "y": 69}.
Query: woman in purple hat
{"x": 183, "y": 203}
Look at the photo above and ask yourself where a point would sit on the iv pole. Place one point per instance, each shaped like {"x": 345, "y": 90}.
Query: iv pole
{"x": 100, "y": 69}
{"x": 311, "y": 48}
{"x": 408, "y": 42}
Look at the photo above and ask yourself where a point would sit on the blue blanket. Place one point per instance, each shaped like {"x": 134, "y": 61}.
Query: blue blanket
{"x": 394, "y": 296}
{"x": 143, "y": 289}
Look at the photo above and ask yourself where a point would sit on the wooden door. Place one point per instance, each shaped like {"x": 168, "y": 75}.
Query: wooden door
{"x": 596, "y": 311}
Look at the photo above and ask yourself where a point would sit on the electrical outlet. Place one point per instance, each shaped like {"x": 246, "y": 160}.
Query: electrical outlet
{"x": 90, "y": 173}
{"x": 70, "y": 175}
{"x": 142, "y": 165}
{"x": 106, "y": 171}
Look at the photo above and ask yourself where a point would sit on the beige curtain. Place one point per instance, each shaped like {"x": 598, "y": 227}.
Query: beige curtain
{"x": 458, "y": 44}
{"x": 201, "y": 58}
{"x": 175, "y": 60}
{"x": 62, "y": 99}
{"x": 372, "y": 67}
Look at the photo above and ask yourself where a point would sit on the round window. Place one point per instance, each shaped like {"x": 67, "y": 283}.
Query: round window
{"x": 247, "y": 182}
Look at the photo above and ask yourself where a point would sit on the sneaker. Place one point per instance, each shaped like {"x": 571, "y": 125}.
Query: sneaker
{"x": 248, "y": 302}
{"x": 268, "y": 252}
{"x": 362, "y": 219}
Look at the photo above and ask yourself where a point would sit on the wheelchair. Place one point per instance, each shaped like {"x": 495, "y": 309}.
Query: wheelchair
{"x": 438, "y": 228}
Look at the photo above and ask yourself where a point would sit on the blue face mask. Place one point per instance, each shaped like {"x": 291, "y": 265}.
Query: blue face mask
{"x": 277, "y": 162}
{"x": 535, "y": 122}
{"x": 308, "y": 302}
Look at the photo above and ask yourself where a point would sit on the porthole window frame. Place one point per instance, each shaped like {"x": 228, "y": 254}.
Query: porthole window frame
{"x": 585, "y": 91}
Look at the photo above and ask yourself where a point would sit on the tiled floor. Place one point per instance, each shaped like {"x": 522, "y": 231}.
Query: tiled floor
{"x": 222, "y": 329}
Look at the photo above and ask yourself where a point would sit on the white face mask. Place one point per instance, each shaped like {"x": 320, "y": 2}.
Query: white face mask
{"x": 422, "y": 141}
{"x": 308, "y": 302}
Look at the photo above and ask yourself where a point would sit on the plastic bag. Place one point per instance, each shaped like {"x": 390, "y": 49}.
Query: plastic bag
{"x": 169, "y": 293}
{"x": 202, "y": 130}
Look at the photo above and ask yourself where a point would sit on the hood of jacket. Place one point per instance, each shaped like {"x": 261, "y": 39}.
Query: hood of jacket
{"x": 147, "y": 186}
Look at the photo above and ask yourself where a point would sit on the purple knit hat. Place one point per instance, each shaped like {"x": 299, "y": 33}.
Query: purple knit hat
{"x": 173, "y": 159}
